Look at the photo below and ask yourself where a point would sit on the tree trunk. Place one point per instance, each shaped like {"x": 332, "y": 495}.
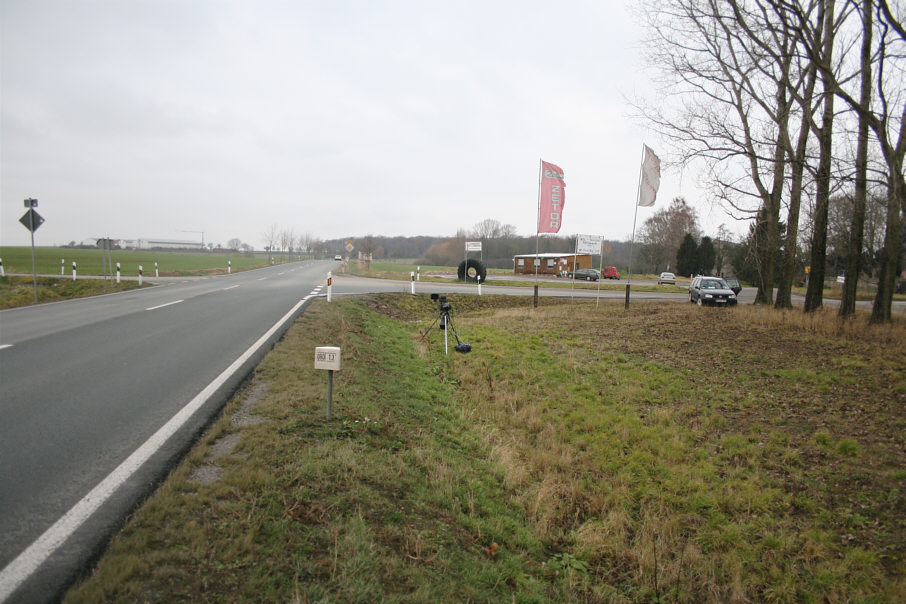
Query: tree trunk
{"x": 815, "y": 293}
{"x": 797, "y": 161}
{"x": 857, "y": 227}
{"x": 768, "y": 252}
{"x": 890, "y": 254}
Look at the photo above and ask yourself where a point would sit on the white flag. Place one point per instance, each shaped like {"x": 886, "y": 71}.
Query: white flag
{"x": 651, "y": 178}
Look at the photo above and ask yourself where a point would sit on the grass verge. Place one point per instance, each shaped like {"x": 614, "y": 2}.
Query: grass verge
{"x": 667, "y": 453}
{"x": 20, "y": 291}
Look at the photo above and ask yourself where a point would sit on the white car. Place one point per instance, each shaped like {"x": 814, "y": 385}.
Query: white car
{"x": 666, "y": 278}
{"x": 338, "y": 257}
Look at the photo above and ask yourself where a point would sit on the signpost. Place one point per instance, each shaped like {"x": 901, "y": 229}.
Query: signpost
{"x": 328, "y": 357}
{"x": 32, "y": 220}
{"x": 591, "y": 245}
{"x": 588, "y": 244}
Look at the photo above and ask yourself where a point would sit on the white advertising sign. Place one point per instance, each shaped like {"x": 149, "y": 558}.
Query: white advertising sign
{"x": 588, "y": 244}
{"x": 473, "y": 246}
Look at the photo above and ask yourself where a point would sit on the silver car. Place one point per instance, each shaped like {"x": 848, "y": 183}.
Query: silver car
{"x": 666, "y": 278}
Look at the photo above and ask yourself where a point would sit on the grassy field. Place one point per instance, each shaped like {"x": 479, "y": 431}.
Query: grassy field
{"x": 402, "y": 269}
{"x": 90, "y": 262}
{"x": 403, "y": 272}
{"x": 665, "y": 454}
{"x": 20, "y": 291}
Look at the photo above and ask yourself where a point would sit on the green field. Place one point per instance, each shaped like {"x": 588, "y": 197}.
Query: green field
{"x": 20, "y": 291}
{"x": 402, "y": 271}
{"x": 91, "y": 262}
{"x": 663, "y": 454}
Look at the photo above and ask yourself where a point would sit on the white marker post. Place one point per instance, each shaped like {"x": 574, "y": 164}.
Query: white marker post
{"x": 479, "y": 285}
{"x": 418, "y": 273}
{"x": 140, "y": 271}
{"x": 2, "y": 272}
{"x": 229, "y": 267}
{"x": 328, "y": 357}
{"x": 73, "y": 270}
{"x": 117, "y": 272}
{"x": 156, "y": 274}
{"x": 412, "y": 281}
{"x": 62, "y": 266}
{"x": 329, "y": 285}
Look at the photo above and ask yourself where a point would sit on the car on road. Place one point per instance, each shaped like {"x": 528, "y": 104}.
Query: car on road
{"x": 584, "y": 274}
{"x": 711, "y": 291}
{"x": 338, "y": 257}
{"x": 610, "y": 272}
{"x": 666, "y": 278}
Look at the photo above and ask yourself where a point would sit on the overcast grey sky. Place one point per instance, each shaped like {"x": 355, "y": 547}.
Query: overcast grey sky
{"x": 147, "y": 118}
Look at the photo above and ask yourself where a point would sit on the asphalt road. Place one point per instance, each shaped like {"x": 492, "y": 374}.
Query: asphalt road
{"x": 84, "y": 383}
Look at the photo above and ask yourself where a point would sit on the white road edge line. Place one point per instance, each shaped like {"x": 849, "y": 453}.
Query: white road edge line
{"x": 2, "y": 346}
{"x": 230, "y": 287}
{"x": 167, "y": 304}
{"x": 26, "y": 563}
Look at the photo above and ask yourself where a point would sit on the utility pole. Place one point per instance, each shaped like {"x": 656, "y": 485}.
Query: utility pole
{"x": 197, "y": 233}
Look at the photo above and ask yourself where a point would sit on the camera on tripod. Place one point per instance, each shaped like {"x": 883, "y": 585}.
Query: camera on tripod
{"x": 442, "y": 304}
{"x": 443, "y": 320}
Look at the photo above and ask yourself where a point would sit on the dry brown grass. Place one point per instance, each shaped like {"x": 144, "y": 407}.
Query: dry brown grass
{"x": 665, "y": 454}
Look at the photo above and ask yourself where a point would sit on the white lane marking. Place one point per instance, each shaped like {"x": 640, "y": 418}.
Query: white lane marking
{"x": 262, "y": 278}
{"x": 283, "y": 273}
{"x": 167, "y": 304}
{"x": 26, "y": 563}
{"x": 230, "y": 287}
{"x": 2, "y": 346}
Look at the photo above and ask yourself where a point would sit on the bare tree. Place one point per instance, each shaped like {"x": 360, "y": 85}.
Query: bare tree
{"x": 885, "y": 115}
{"x": 508, "y": 231}
{"x": 737, "y": 106}
{"x": 286, "y": 238}
{"x": 663, "y": 232}
{"x": 270, "y": 238}
{"x": 487, "y": 229}
{"x": 305, "y": 242}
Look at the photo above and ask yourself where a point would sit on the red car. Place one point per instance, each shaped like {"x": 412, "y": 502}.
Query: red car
{"x": 610, "y": 272}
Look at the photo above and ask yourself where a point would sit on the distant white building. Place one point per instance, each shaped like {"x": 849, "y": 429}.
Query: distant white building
{"x": 173, "y": 244}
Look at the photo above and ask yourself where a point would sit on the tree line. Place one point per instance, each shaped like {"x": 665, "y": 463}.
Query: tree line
{"x": 790, "y": 105}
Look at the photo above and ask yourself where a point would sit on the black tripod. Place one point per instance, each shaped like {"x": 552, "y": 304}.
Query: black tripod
{"x": 445, "y": 323}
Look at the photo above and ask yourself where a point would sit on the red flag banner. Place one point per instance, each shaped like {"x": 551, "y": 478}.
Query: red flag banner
{"x": 552, "y": 197}
{"x": 651, "y": 178}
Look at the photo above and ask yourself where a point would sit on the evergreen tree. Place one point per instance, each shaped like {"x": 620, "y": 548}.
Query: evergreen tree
{"x": 687, "y": 256}
{"x": 706, "y": 256}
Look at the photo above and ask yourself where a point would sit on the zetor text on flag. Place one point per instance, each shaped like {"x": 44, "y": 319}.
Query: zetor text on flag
{"x": 651, "y": 178}
{"x": 553, "y": 196}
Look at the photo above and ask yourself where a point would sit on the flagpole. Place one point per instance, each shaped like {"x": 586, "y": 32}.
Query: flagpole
{"x": 536, "y": 260}
{"x": 638, "y": 195}
{"x": 601, "y": 269}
